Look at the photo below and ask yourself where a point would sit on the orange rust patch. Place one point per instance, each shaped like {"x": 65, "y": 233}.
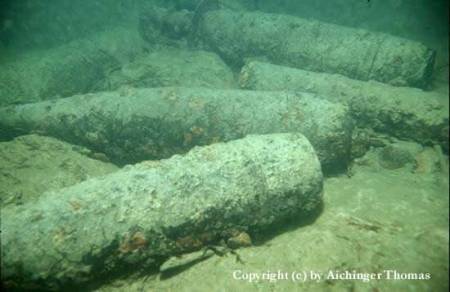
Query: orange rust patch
{"x": 197, "y": 131}
{"x": 194, "y": 131}
{"x": 132, "y": 243}
{"x": 188, "y": 243}
{"x": 240, "y": 240}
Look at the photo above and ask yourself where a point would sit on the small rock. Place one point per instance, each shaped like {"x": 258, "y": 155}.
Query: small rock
{"x": 240, "y": 240}
{"x": 398, "y": 155}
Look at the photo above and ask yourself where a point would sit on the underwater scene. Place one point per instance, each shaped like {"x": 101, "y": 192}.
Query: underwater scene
{"x": 224, "y": 145}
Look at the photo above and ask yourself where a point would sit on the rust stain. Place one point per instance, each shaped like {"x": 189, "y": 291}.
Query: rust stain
{"x": 131, "y": 243}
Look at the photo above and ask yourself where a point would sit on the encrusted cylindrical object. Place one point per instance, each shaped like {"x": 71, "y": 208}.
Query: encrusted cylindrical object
{"x": 132, "y": 125}
{"x": 139, "y": 216}
{"x": 317, "y": 46}
{"x": 74, "y": 68}
{"x": 407, "y": 113}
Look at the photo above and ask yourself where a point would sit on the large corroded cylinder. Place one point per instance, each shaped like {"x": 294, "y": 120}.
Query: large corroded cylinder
{"x": 139, "y": 124}
{"x": 73, "y": 68}
{"x": 317, "y": 46}
{"x": 407, "y": 113}
{"x": 139, "y": 216}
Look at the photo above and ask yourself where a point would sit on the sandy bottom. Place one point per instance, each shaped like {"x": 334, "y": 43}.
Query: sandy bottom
{"x": 375, "y": 221}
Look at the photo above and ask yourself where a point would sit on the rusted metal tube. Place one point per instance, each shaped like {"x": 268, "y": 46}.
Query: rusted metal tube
{"x": 317, "y": 46}
{"x": 140, "y": 124}
{"x": 139, "y": 216}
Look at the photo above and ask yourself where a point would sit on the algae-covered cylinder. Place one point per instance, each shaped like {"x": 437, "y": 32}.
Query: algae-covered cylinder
{"x": 73, "y": 68}
{"x": 139, "y": 216}
{"x": 317, "y": 46}
{"x": 403, "y": 112}
{"x": 132, "y": 125}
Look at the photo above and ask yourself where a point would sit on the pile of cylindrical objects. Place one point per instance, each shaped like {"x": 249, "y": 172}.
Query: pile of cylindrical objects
{"x": 406, "y": 113}
{"x": 317, "y": 46}
{"x": 281, "y": 130}
{"x": 132, "y": 125}
{"x": 143, "y": 214}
